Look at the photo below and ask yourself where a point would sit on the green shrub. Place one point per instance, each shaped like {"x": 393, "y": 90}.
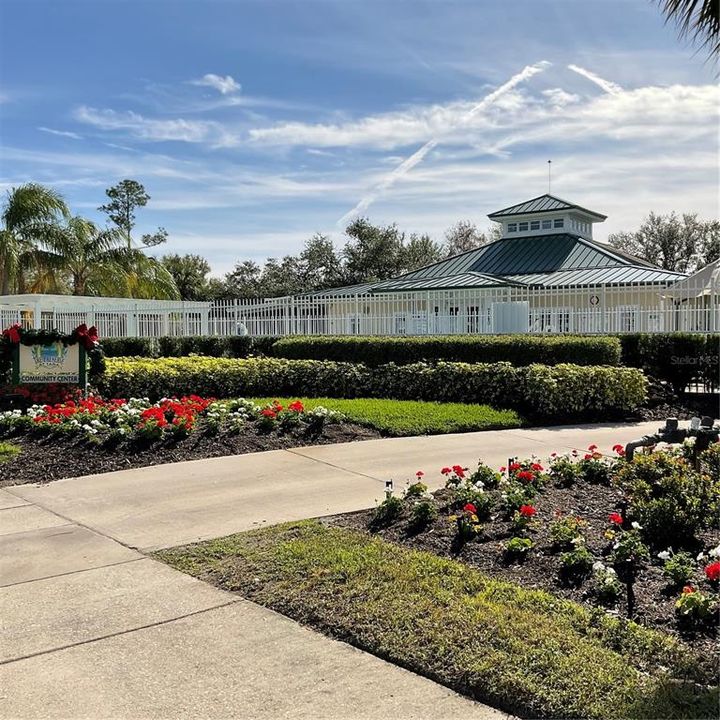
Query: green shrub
{"x": 678, "y": 567}
{"x": 576, "y": 563}
{"x": 518, "y": 547}
{"x": 516, "y": 349}
{"x": 422, "y": 514}
{"x": 677, "y": 358}
{"x": 562, "y": 392}
{"x": 386, "y": 512}
{"x": 669, "y": 498}
{"x": 566, "y": 530}
{"x": 234, "y": 346}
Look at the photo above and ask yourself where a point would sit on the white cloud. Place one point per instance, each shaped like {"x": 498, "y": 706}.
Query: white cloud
{"x": 61, "y": 133}
{"x": 154, "y": 129}
{"x": 224, "y": 85}
{"x": 559, "y": 97}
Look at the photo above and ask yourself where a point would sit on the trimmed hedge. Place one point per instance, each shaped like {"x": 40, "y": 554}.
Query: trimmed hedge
{"x": 516, "y": 349}
{"x": 234, "y": 346}
{"x": 677, "y": 358}
{"x": 560, "y": 392}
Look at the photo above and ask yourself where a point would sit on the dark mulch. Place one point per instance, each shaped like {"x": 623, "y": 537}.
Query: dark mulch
{"x": 540, "y": 570}
{"x": 663, "y": 402}
{"x": 44, "y": 459}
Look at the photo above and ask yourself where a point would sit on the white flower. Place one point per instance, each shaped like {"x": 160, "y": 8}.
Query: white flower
{"x": 636, "y": 526}
{"x": 664, "y": 555}
{"x": 611, "y": 571}
{"x": 700, "y": 557}
{"x": 715, "y": 552}
{"x": 598, "y": 566}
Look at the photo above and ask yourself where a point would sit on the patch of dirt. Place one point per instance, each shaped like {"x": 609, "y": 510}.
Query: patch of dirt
{"x": 48, "y": 458}
{"x": 654, "y": 599}
{"x": 663, "y": 403}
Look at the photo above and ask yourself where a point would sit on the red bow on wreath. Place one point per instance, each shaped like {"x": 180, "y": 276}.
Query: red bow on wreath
{"x": 87, "y": 337}
{"x": 13, "y": 333}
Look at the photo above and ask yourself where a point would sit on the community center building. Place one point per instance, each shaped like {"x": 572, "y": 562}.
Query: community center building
{"x": 546, "y": 274}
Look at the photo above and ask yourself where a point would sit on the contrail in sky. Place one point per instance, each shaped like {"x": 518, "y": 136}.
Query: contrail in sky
{"x": 418, "y": 156}
{"x": 606, "y": 85}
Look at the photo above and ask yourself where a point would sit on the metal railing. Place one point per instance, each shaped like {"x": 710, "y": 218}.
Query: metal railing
{"x": 691, "y": 307}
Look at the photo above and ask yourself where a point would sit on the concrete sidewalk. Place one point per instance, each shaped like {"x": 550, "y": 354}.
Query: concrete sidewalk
{"x": 166, "y": 505}
{"x": 93, "y": 628}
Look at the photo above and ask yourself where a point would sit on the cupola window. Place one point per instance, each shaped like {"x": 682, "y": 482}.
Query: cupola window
{"x": 512, "y": 227}
{"x": 559, "y": 222}
{"x": 546, "y": 224}
{"x": 522, "y": 226}
{"x": 534, "y": 224}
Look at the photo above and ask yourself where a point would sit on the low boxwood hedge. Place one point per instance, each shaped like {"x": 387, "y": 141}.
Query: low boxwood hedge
{"x": 516, "y": 349}
{"x": 559, "y": 392}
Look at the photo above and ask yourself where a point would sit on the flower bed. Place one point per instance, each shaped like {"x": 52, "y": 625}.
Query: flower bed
{"x": 134, "y": 432}
{"x": 638, "y": 539}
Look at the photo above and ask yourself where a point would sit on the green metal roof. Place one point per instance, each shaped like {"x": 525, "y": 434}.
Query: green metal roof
{"x": 446, "y": 282}
{"x": 618, "y": 275}
{"x": 542, "y": 204}
{"x": 527, "y": 254}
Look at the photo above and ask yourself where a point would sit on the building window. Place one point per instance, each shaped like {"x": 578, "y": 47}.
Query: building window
{"x": 535, "y": 225}
{"x": 512, "y": 227}
{"x": 522, "y": 226}
{"x": 547, "y": 224}
{"x": 559, "y": 222}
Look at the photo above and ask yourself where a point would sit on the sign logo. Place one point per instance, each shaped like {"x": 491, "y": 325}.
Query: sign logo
{"x": 53, "y": 363}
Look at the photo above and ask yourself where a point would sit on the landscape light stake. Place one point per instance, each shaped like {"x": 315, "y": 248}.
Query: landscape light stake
{"x": 388, "y": 488}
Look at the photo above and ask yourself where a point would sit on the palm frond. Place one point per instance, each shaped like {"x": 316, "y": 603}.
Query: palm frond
{"x": 697, "y": 20}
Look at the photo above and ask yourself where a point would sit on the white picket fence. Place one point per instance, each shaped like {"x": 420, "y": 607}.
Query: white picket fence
{"x": 691, "y": 307}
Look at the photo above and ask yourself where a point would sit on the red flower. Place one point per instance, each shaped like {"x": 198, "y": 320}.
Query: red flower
{"x": 459, "y": 470}
{"x": 514, "y": 466}
{"x": 588, "y": 456}
{"x": 503, "y": 469}
{"x": 526, "y": 476}
{"x": 712, "y": 571}
{"x": 688, "y": 589}
{"x": 268, "y": 413}
{"x": 592, "y": 448}
{"x": 419, "y": 473}
{"x": 470, "y": 508}
{"x": 615, "y": 518}
{"x": 296, "y": 406}
{"x": 527, "y": 511}
{"x": 552, "y": 455}
{"x": 537, "y": 467}
{"x": 446, "y": 471}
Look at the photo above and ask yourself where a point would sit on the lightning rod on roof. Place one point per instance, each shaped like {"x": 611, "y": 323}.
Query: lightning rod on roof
{"x": 549, "y": 176}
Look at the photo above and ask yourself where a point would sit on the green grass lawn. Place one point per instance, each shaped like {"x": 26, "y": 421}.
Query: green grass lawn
{"x": 523, "y": 651}
{"x": 411, "y": 417}
{"x": 8, "y": 451}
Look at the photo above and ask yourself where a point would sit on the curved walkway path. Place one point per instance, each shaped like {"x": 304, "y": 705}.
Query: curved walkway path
{"x": 91, "y": 627}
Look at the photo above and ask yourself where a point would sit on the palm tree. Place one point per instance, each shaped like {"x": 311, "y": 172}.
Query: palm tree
{"x": 31, "y": 215}
{"x": 698, "y": 20}
{"x": 97, "y": 261}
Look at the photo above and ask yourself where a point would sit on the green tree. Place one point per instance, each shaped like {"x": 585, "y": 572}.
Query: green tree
{"x": 190, "y": 273}
{"x": 31, "y": 215}
{"x": 321, "y": 266}
{"x": 125, "y": 198}
{"x": 372, "y": 252}
{"x": 243, "y": 281}
{"x": 682, "y": 244}
{"x": 464, "y": 236}
{"x": 421, "y": 250}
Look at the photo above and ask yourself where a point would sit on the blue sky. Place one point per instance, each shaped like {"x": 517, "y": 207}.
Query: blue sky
{"x": 253, "y": 124}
